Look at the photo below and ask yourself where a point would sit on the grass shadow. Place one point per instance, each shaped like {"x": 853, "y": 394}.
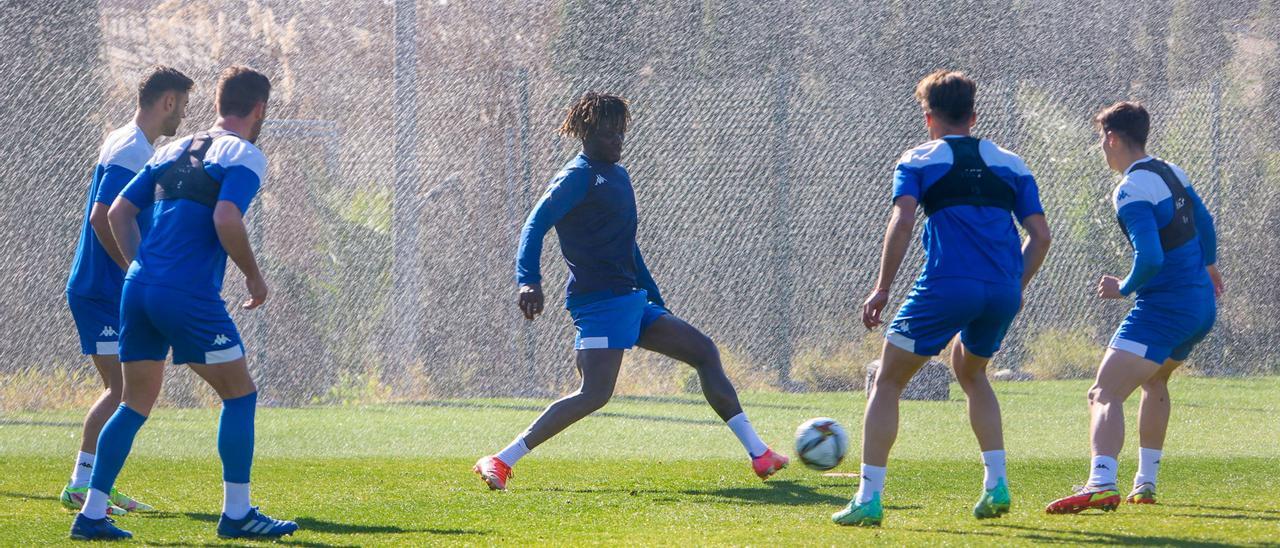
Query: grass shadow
{"x": 784, "y": 493}
{"x": 1119, "y": 539}
{"x": 56, "y": 424}
{"x": 332, "y": 527}
{"x": 703, "y": 403}
{"x": 1220, "y": 508}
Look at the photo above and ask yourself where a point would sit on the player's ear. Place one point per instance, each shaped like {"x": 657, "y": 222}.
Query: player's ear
{"x": 973, "y": 119}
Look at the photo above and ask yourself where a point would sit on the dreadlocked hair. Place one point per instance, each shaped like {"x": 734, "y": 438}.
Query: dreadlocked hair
{"x": 594, "y": 110}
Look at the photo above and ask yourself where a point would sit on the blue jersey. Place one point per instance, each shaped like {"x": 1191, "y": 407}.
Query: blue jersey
{"x": 1144, "y": 205}
{"x": 593, "y": 209}
{"x": 969, "y": 241}
{"x": 182, "y": 250}
{"x": 93, "y": 274}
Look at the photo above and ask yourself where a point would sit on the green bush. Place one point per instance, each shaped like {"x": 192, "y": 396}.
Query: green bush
{"x": 1063, "y": 354}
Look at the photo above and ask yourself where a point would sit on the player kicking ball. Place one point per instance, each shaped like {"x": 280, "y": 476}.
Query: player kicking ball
{"x": 611, "y": 296}
{"x": 200, "y": 187}
{"x": 1175, "y": 283}
{"x": 97, "y": 274}
{"x": 976, "y": 268}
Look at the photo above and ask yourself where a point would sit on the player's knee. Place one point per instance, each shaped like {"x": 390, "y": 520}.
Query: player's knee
{"x": 595, "y": 399}
{"x": 889, "y": 384}
{"x": 1101, "y": 395}
{"x": 705, "y": 353}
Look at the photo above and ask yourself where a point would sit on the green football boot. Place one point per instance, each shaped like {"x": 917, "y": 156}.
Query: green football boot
{"x": 994, "y": 502}
{"x": 868, "y": 514}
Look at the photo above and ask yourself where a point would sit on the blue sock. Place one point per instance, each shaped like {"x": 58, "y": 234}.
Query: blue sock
{"x": 235, "y": 438}
{"x": 114, "y": 444}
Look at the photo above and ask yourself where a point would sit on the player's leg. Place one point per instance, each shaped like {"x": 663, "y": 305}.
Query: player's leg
{"x": 880, "y": 424}
{"x": 1153, "y": 422}
{"x": 108, "y": 367}
{"x": 142, "y": 381}
{"x": 1120, "y": 374}
{"x": 671, "y": 336}
{"x": 599, "y": 371}
{"x": 206, "y": 339}
{"x": 605, "y": 329}
{"x": 978, "y": 342}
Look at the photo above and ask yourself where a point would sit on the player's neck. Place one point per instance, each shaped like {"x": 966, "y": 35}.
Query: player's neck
{"x": 236, "y": 124}
{"x": 940, "y": 131}
{"x": 150, "y": 125}
{"x": 1126, "y": 158}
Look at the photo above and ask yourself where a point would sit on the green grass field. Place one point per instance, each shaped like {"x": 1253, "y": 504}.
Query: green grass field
{"x": 665, "y": 471}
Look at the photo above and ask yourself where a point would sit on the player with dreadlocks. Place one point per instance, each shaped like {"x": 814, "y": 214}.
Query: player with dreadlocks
{"x": 611, "y": 296}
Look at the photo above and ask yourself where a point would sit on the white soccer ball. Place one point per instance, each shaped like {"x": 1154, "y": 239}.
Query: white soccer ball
{"x": 821, "y": 443}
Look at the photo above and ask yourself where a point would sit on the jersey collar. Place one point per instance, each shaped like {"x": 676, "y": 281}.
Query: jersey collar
{"x": 1138, "y": 161}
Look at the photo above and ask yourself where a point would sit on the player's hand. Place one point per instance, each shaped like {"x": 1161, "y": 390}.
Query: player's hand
{"x": 257, "y": 292}
{"x": 873, "y": 306}
{"x": 1216, "y": 277}
{"x": 1109, "y": 288}
{"x": 530, "y": 300}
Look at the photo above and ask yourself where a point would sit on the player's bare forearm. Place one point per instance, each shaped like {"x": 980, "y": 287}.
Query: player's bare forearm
{"x": 1036, "y": 248}
{"x": 123, "y": 220}
{"x": 896, "y": 239}
{"x": 228, "y": 222}
{"x": 102, "y": 230}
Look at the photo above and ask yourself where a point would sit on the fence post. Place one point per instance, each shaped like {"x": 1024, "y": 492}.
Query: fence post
{"x": 405, "y": 289}
{"x": 780, "y": 350}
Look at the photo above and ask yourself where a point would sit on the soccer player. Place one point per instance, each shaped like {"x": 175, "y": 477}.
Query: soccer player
{"x": 1175, "y": 282}
{"x": 97, "y": 274}
{"x": 198, "y": 188}
{"x": 614, "y": 301}
{"x": 976, "y": 268}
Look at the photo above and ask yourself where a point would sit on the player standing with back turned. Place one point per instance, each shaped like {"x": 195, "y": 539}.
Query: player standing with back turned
{"x": 1175, "y": 281}
{"x": 198, "y": 189}
{"x": 975, "y": 271}
{"x": 97, "y": 274}
{"x": 612, "y": 298}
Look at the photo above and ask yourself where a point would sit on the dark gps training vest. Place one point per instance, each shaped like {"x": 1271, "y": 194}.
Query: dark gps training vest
{"x": 186, "y": 179}
{"x": 968, "y": 182}
{"x": 1182, "y": 228}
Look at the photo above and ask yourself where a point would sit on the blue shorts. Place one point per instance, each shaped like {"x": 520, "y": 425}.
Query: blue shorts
{"x": 98, "y": 324}
{"x": 1167, "y": 326}
{"x": 616, "y": 322}
{"x": 155, "y": 318}
{"x": 936, "y": 310}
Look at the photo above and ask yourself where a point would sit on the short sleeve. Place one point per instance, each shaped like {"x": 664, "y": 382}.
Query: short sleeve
{"x": 907, "y": 181}
{"x": 113, "y": 181}
{"x": 1027, "y": 202}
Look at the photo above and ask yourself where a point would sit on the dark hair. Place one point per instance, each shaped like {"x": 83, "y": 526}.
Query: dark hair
{"x": 240, "y": 89}
{"x": 1127, "y": 118}
{"x": 947, "y": 94}
{"x": 593, "y": 110}
{"x": 160, "y": 80}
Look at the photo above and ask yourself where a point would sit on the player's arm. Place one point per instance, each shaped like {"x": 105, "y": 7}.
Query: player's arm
{"x": 1031, "y": 216}
{"x": 228, "y": 220}
{"x": 896, "y": 239}
{"x": 113, "y": 181}
{"x": 123, "y": 215}
{"x": 646, "y": 281}
{"x": 239, "y": 186}
{"x": 562, "y": 196}
{"x": 1208, "y": 235}
{"x": 1139, "y": 218}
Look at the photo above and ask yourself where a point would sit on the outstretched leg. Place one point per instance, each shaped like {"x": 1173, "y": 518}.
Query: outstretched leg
{"x": 675, "y": 338}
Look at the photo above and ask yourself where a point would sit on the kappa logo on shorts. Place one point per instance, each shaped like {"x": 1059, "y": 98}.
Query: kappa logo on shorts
{"x": 108, "y": 331}
{"x": 220, "y": 340}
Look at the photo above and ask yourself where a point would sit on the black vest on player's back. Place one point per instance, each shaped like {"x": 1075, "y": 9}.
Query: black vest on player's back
{"x": 968, "y": 182}
{"x": 1182, "y": 228}
{"x": 187, "y": 179}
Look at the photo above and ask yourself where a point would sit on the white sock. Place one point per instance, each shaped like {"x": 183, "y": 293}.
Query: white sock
{"x": 747, "y": 435}
{"x": 1148, "y": 466}
{"x": 83, "y": 470}
{"x": 235, "y": 499}
{"x": 872, "y": 483}
{"x": 95, "y": 505}
{"x": 993, "y": 468}
{"x": 1102, "y": 471}
{"x": 514, "y": 452}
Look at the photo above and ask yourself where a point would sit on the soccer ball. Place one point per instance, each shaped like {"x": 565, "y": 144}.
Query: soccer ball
{"x": 821, "y": 443}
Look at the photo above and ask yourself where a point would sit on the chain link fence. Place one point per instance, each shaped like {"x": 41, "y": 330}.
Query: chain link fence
{"x": 410, "y": 139}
